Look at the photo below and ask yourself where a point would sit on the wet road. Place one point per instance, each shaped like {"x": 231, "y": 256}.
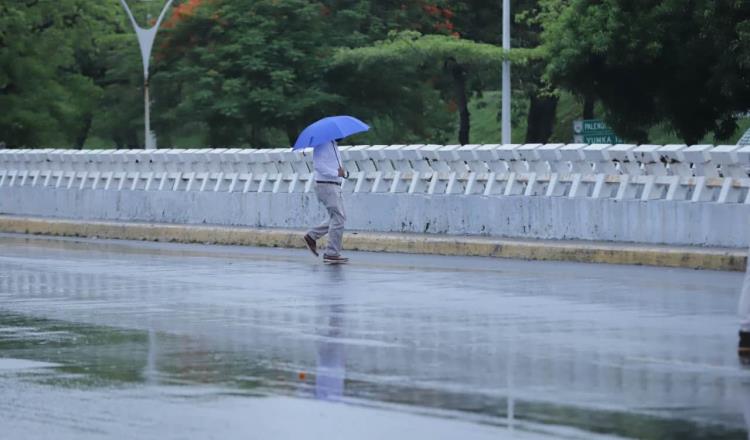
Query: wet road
{"x": 106, "y": 339}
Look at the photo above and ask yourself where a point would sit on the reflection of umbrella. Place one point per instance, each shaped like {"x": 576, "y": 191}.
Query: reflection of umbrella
{"x": 328, "y": 129}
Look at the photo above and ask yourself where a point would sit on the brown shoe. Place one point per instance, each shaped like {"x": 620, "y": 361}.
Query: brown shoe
{"x": 335, "y": 259}
{"x": 311, "y": 245}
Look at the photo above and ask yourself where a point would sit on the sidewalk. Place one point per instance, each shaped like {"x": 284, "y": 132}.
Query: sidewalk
{"x": 578, "y": 251}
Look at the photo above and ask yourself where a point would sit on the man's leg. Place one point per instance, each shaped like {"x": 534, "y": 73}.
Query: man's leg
{"x": 744, "y": 312}
{"x": 319, "y": 231}
{"x": 322, "y": 229}
{"x": 335, "y": 206}
{"x": 314, "y": 234}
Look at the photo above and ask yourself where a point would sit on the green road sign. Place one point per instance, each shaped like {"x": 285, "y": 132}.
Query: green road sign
{"x": 594, "y": 131}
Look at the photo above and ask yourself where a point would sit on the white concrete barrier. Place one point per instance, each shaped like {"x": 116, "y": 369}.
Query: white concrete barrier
{"x": 699, "y": 173}
{"x": 676, "y": 183}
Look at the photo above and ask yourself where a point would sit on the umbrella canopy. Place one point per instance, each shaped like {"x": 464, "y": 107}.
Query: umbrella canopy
{"x": 328, "y": 129}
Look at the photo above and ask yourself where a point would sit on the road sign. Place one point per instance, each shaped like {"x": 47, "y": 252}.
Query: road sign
{"x": 593, "y": 131}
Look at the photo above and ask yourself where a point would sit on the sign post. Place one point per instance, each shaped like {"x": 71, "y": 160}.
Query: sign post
{"x": 594, "y": 131}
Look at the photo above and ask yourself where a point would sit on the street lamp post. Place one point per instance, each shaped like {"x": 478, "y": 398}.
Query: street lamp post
{"x": 146, "y": 37}
{"x": 505, "y": 111}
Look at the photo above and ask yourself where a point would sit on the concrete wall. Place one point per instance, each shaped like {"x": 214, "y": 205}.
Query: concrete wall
{"x": 654, "y": 222}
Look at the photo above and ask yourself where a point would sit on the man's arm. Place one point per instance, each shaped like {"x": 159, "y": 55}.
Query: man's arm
{"x": 342, "y": 171}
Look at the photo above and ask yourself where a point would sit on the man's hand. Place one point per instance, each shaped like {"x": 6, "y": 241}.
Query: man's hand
{"x": 342, "y": 173}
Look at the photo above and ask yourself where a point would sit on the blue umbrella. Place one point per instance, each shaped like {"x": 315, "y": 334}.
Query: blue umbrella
{"x": 328, "y": 129}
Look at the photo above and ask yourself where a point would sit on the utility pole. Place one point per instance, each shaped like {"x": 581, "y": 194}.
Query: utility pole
{"x": 146, "y": 37}
{"x": 505, "y": 111}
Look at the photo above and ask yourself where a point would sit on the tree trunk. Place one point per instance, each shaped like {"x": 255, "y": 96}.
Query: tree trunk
{"x": 588, "y": 107}
{"x": 541, "y": 119}
{"x": 255, "y": 136}
{"x": 215, "y": 135}
{"x": 83, "y": 134}
{"x": 117, "y": 139}
{"x": 458, "y": 72}
{"x": 291, "y": 132}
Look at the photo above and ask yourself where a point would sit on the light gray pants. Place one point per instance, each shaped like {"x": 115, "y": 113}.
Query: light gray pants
{"x": 330, "y": 196}
{"x": 744, "y": 308}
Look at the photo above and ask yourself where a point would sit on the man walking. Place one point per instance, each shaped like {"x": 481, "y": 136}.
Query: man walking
{"x": 329, "y": 174}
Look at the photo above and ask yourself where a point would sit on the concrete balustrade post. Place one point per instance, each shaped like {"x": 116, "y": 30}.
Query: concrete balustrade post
{"x": 475, "y": 169}
{"x": 703, "y": 169}
{"x": 653, "y": 168}
{"x": 421, "y": 171}
{"x": 579, "y": 169}
{"x": 402, "y": 170}
{"x": 448, "y": 167}
{"x": 621, "y": 155}
{"x": 602, "y": 167}
{"x": 730, "y": 170}
{"x": 515, "y": 165}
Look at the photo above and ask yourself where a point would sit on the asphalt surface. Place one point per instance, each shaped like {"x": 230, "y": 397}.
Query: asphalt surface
{"x": 109, "y": 339}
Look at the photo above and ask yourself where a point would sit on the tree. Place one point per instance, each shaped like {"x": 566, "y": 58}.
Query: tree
{"x": 245, "y": 68}
{"x": 453, "y": 55}
{"x": 479, "y": 20}
{"x": 44, "y": 94}
{"x": 314, "y": 86}
{"x": 685, "y": 63}
{"x": 406, "y": 103}
{"x": 118, "y": 115}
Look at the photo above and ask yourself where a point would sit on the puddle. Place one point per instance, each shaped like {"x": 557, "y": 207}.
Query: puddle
{"x": 10, "y": 364}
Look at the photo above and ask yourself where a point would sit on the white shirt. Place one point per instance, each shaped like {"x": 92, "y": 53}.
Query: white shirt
{"x": 326, "y": 161}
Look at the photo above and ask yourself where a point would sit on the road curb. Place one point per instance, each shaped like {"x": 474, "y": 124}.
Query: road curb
{"x": 577, "y": 251}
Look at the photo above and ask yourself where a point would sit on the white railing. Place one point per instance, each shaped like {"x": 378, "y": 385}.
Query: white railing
{"x": 698, "y": 173}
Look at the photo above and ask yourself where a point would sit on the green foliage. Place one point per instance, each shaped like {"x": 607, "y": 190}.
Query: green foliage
{"x": 425, "y": 61}
{"x": 401, "y": 97}
{"x": 243, "y": 67}
{"x": 44, "y": 90}
{"x": 254, "y": 72}
{"x": 485, "y": 118}
{"x": 415, "y": 48}
{"x": 486, "y": 130}
{"x": 676, "y": 62}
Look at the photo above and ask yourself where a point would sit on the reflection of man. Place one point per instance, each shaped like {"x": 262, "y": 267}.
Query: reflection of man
{"x": 329, "y": 379}
{"x": 744, "y": 310}
{"x": 151, "y": 371}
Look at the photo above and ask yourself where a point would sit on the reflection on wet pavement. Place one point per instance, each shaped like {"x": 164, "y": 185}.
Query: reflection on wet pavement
{"x": 131, "y": 340}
